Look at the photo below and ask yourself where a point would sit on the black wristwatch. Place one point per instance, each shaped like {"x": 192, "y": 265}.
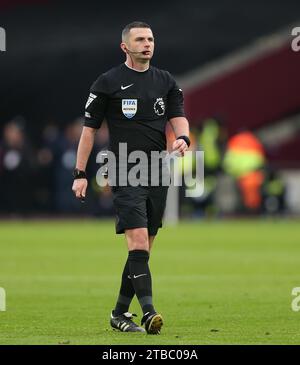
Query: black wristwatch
{"x": 79, "y": 174}
{"x": 186, "y": 140}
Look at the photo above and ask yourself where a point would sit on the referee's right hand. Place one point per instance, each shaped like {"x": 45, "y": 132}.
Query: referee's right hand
{"x": 79, "y": 188}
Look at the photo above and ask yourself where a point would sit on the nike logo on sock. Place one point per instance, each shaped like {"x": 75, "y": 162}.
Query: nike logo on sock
{"x": 125, "y": 87}
{"x": 137, "y": 276}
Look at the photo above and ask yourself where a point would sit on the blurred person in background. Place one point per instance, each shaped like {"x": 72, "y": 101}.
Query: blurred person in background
{"x": 46, "y": 156}
{"x": 65, "y": 159}
{"x": 273, "y": 193}
{"x": 245, "y": 161}
{"x": 186, "y": 167}
{"x": 17, "y": 166}
{"x": 212, "y": 140}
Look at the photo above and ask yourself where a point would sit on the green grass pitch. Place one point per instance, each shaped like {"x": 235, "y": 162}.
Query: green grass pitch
{"x": 214, "y": 282}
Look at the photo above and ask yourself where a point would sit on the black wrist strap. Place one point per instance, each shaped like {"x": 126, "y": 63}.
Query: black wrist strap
{"x": 79, "y": 174}
{"x": 186, "y": 140}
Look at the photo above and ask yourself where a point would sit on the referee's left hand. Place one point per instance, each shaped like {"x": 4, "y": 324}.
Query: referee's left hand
{"x": 180, "y": 146}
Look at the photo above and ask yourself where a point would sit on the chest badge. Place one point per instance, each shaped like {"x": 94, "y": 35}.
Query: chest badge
{"x": 129, "y": 107}
{"x": 159, "y": 106}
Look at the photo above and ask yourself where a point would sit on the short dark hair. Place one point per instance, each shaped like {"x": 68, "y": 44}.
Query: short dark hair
{"x": 136, "y": 24}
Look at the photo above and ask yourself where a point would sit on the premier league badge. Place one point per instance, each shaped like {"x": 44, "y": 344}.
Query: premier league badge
{"x": 159, "y": 106}
{"x": 129, "y": 107}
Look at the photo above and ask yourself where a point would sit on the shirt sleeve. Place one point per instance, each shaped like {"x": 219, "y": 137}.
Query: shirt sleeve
{"x": 175, "y": 107}
{"x": 96, "y": 104}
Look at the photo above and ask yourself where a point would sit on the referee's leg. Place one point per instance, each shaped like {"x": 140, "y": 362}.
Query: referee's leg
{"x": 138, "y": 257}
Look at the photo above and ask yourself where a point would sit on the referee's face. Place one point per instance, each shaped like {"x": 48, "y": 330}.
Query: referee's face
{"x": 140, "y": 42}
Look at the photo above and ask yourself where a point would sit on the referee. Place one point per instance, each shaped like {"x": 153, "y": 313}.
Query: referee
{"x": 137, "y": 100}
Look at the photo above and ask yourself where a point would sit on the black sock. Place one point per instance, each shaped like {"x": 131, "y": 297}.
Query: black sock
{"x": 141, "y": 278}
{"x": 126, "y": 292}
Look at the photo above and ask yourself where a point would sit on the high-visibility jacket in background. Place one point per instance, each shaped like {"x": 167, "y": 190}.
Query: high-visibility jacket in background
{"x": 244, "y": 159}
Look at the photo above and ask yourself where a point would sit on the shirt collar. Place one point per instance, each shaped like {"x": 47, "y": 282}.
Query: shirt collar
{"x": 133, "y": 69}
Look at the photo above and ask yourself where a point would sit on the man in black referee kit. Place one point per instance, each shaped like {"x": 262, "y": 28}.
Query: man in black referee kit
{"x": 154, "y": 99}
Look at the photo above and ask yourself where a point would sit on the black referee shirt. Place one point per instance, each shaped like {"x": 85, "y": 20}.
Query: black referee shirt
{"x": 136, "y": 106}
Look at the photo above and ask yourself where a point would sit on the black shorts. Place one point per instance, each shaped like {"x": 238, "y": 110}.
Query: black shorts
{"x": 139, "y": 207}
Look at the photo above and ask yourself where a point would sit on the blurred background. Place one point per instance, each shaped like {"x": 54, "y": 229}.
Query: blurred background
{"x": 233, "y": 60}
